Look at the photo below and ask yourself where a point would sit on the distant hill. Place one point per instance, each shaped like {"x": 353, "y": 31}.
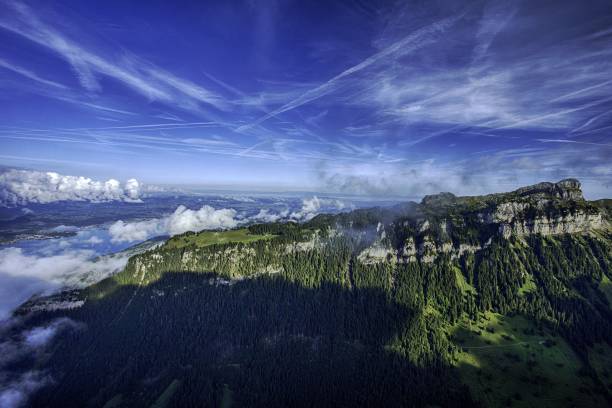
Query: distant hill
{"x": 497, "y": 300}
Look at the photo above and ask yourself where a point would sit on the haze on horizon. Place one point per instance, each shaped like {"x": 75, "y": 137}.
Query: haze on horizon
{"x": 352, "y": 97}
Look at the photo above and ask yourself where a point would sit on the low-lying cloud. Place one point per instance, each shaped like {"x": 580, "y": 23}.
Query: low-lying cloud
{"x": 17, "y": 343}
{"x": 181, "y": 220}
{"x": 312, "y": 206}
{"x": 184, "y": 219}
{"x": 76, "y": 263}
{"x": 20, "y": 187}
{"x": 265, "y": 215}
{"x": 15, "y": 393}
{"x": 23, "y": 275}
{"x": 490, "y": 172}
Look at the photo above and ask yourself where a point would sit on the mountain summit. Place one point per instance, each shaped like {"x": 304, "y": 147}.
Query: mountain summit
{"x": 567, "y": 189}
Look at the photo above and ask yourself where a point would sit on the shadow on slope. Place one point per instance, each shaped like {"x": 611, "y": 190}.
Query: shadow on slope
{"x": 257, "y": 342}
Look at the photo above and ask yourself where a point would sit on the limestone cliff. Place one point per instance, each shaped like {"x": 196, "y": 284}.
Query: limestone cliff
{"x": 447, "y": 224}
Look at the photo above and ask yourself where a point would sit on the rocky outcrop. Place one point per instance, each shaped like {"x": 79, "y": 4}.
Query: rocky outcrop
{"x": 376, "y": 253}
{"x": 380, "y": 250}
{"x": 444, "y": 219}
{"x": 570, "y": 224}
{"x": 568, "y": 189}
{"x": 428, "y": 250}
{"x": 408, "y": 252}
{"x": 550, "y": 209}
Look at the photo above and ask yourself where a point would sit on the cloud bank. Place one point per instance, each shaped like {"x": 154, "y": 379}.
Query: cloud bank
{"x": 20, "y": 187}
{"x": 22, "y": 275}
{"x": 265, "y": 215}
{"x": 184, "y": 219}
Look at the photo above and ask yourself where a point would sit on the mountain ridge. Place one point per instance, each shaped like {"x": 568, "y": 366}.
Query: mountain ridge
{"x": 495, "y": 301}
{"x": 569, "y": 188}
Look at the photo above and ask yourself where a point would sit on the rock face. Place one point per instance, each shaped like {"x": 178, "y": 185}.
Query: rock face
{"x": 408, "y": 252}
{"x": 568, "y": 189}
{"x": 442, "y": 223}
{"x": 569, "y": 224}
{"x": 377, "y": 253}
{"x": 380, "y": 250}
{"x": 547, "y": 209}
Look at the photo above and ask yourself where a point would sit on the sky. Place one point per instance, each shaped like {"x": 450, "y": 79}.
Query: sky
{"x": 358, "y": 97}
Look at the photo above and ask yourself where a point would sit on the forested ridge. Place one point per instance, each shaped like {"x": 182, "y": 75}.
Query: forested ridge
{"x": 381, "y": 307}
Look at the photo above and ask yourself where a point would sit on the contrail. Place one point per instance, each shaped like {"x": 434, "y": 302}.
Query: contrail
{"x": 593, "y": 130}
{"x": 496, "y": 17}
{"x": 30, "y": 75}
{"x": 572, "y": 141}
{"x": 151, "y": 126}
{"x": 405, "y": 46}
{"x": 155, "y": 126}
{"x": 590, "y": 121}
{"x": 589, "y": 88}
{"x": 554, "y": 114}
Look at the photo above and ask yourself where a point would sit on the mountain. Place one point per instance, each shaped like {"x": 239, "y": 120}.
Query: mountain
{"x": 497, "y": 300}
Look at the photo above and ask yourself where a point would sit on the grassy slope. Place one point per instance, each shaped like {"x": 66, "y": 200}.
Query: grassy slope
{"x": 515, "y": 363}
{"x": 606, "y": 287}
{"x": 206, "y": 238}
{"x": 465, "y": 287}
{"x": 528, "y": 287}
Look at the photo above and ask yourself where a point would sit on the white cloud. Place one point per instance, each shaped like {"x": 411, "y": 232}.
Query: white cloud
{"x": 16, "y": 388}
{"x": 23, "y": 275}
{"x": 312, "y": 206}
{"x": 15, "y": 393}
{"x": 184, "y": 219}
{"x": 181, "y": 220}
{"x": 94, "y": 240}
{"x": 73, "y": 268}
{"x": 19, "y": 187}
{"x": 207, "y": 217}
{"x": 122, "y": 231}
{"x": 264, "y": 215}
{"x": 18, "y": 341}
{"x": 132, "y": 189}
{"x": 39, "y": 336}
{"x": 241, "y": 198}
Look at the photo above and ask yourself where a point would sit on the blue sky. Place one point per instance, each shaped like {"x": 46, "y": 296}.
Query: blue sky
{"x": 402, "y": 98}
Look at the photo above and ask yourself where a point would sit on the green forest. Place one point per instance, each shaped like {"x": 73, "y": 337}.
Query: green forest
{"x": 287, "y": 314}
